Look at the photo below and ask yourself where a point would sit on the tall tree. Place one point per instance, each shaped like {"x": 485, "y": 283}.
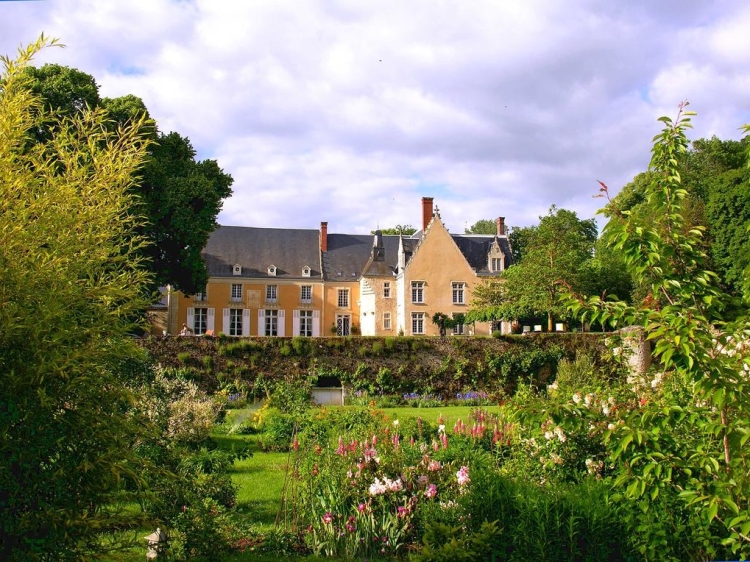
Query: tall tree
{"x": 179, "y": 197}
{"x": 405, "y": 229}
{"x": 482, "y": 226}
{"x": 553, "y": 259}
{"x": 715, "y": 179}
{"x": 70, "y": 281}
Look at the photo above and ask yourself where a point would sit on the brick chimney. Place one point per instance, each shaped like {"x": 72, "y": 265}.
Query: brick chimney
{"x": 500, "y": 221}
{"x": 426, "y": 212}
{"x": 323, "y": 236}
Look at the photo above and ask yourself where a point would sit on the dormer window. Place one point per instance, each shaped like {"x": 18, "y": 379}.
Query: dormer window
{"x": 495, "y": 258}
{"x": 272, "y": 270}
{"x": 236, "y": 269}
{"x": 306, "y": 271}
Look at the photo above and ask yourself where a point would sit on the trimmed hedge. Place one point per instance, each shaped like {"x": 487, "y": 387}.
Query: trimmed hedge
{"x": 391, "y": 365}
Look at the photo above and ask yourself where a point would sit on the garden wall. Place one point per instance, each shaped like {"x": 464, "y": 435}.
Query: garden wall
{"x": 390, "y": 365}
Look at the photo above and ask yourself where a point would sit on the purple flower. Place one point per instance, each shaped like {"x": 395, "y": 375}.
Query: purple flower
{"x": 328, "y": 518}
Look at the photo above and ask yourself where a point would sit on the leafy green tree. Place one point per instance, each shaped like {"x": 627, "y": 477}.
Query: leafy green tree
{"x": 554, "y": 257}
{"x": 70, "y": 281}
{"x": 179, "y": 197}
{"x": 681, "y": 454}
{"x": 405, "y": 229}
{"x": 482, "y": 226}
{"x": 715, "y": 179}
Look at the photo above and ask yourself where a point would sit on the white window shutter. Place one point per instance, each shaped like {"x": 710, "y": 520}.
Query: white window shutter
{"x": 225, "y": 321}
{"x": 210, "y": 324}
{"x": 316, "y": 324}
{"x": 261, "y": 321}
{"x": 282, "y": 324}
{"x": 246, "y": 322}
{"x": 190, "y": 319}
{"x": 295, "y": 323}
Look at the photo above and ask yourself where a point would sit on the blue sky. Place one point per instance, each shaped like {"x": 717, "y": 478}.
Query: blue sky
{"x": 350, "y": 111}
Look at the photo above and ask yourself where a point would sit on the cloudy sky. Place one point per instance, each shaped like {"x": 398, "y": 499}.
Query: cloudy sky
{"x": 350, "y": 111}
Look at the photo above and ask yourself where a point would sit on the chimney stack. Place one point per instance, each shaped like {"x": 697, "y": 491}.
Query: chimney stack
{"x": 426, "y": 212}
{"x": 500, "y": 221}
{"x": 323, "y": 236}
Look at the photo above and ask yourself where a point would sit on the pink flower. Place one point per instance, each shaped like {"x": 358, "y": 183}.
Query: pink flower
{"x": 327, "y": 518}
{"x": 394, "y": 485}
{"x": 433, "y": 466}
{"x": 361, "y": 507}
{"x": 431, "y": 491}
{"x": 463, "y": 476}
{"x": 422, "y": 480}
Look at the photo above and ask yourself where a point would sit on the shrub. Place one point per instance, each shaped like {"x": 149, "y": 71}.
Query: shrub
{"x": 278, "y": 429}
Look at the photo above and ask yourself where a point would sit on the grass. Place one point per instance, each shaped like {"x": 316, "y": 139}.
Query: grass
{"x": 450, "y": 413}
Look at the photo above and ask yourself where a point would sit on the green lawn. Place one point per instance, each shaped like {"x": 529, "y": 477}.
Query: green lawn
{"x": 450, "y": 413}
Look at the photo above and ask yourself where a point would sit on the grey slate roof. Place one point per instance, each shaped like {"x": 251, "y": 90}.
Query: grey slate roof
{"x": 255, "y": 249}
{"x": 349, "y": 254}
{"x": 475, "y": 248}
{"x": 290, "y": 249}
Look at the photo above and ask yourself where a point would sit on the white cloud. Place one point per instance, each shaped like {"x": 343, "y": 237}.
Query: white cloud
{"x": 350, "y": 112}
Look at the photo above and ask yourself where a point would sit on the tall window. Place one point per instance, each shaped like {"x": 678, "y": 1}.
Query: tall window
{"x": 417, "y": 323}
{"x": 305, "y": 295}
{"x": 386, "y": 320}
{"x": 236, "y": 292}
{"x": 305, "y": 322}
{"x": 235, "y": 322}
{"x": 272, "y": 294}
{"x": 387, "y": 290}
{"x": 272, "y": 322}
{"x": 200, "y": 318}
{"x": 458, "y": 293}
{"x": 343, "y": 300}
{"x": 497, "y": 264}
{"x": 417, "y": 292}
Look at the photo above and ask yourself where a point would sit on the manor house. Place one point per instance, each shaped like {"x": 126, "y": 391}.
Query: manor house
{"x": 304, "y": 282}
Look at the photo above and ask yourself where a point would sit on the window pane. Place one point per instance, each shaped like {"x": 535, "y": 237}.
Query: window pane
{"x": 343, "y": 300}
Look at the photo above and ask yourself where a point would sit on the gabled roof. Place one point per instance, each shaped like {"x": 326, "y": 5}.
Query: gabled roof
{"x": 475, "y": 248}
{"x": 255, "y": 249}
{"x": 348, "y": 256}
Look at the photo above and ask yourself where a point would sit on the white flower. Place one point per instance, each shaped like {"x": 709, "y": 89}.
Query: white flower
{"x": 605, "y": 409}
{"x": 377, "y": 488}
{"x": 548, "y": 435}
{"x": 577, "y": 398}
{"x": 588, "y": 399}
{"x": 610, "y": 426}
{"x": 560, "y": 434}
{"x": 395, "y": 422}
{"x": 441, "y": 428}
